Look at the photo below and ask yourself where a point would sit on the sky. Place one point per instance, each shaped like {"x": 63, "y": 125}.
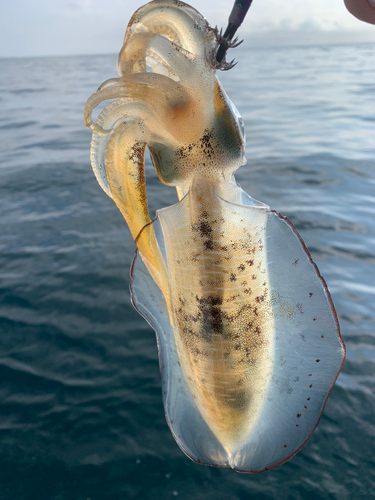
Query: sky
{"x": 68, "y": 27}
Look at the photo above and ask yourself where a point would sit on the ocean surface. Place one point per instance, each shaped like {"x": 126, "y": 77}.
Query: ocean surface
{"x": 81, "y": 415}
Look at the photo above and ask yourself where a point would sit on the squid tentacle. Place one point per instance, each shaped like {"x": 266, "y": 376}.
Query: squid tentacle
{"x": 162, "y": 50}
{"x": 127, "y": 186}
{"x": 151, "y": 88}
{"x": 185, "y": 27}
{"x": 116, "y": 113}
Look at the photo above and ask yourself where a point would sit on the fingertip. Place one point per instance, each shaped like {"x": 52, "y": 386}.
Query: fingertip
{"x": 364, "y": 10}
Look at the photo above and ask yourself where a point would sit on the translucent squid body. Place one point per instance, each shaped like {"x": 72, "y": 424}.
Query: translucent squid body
{"x": 248, "y": 338}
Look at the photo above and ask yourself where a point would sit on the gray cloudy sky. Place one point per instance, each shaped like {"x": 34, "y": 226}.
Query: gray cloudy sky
{"x": 64, "y": 27}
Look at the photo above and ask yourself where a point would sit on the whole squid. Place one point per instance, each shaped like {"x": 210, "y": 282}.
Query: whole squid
{"x": 248, "y": 338}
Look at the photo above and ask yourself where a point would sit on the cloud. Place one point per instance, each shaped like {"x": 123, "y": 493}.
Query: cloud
{"x": 59, "y": 27}
{"x": 79, "y": 4}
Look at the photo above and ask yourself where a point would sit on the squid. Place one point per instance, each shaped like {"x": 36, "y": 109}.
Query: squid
{"x": 247, "y": 334}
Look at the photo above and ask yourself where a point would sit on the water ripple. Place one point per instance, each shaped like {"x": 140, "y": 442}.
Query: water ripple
{"x": 81, "y": 411}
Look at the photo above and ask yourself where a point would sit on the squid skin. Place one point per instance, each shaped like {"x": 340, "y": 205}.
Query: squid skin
{"x": 248, "y": 338}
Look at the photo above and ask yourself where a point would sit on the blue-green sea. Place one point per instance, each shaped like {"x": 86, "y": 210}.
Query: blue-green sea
{"x": 81, "y": 414}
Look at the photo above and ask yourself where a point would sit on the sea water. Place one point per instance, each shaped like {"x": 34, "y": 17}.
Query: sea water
{"x": 81, "y": 414}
